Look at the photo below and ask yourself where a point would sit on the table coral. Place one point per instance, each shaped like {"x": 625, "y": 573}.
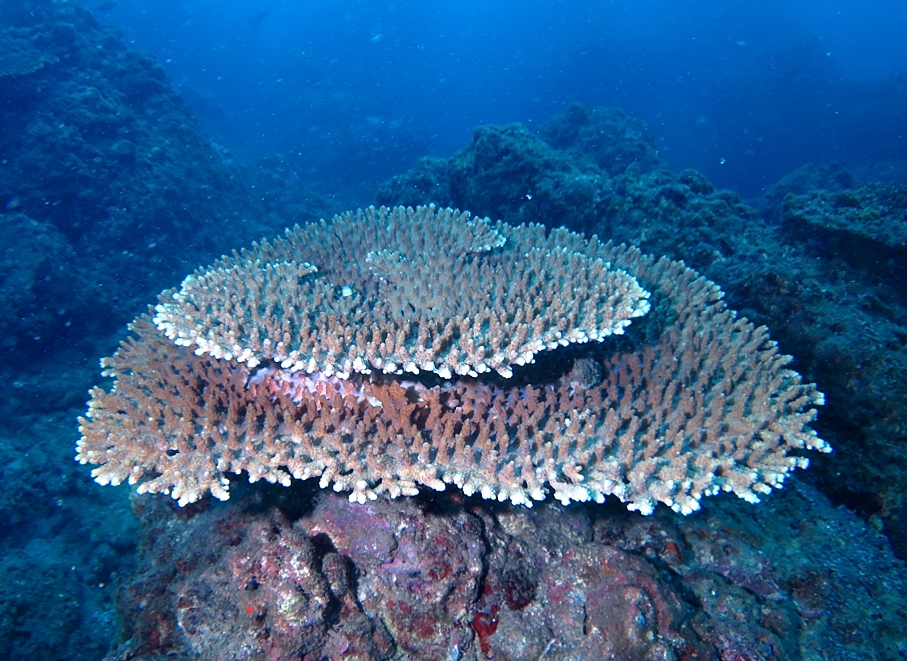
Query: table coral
{"x": 699, "y": 402}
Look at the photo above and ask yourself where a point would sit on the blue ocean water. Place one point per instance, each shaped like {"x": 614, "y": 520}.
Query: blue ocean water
{"x": 764, "y": 144}
{"x": 744, "y": 92}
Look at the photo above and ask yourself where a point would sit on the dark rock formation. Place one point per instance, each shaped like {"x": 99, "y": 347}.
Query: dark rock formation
{"x": 292, "y": 573}
{"x": 110, "y": 165}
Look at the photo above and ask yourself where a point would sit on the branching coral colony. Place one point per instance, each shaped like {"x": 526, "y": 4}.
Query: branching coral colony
{"x": 377, "y": 352}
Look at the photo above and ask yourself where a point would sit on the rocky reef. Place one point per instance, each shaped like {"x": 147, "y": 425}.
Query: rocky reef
{"x": 108, "y": 183}
{"x": 296, "y": 573}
